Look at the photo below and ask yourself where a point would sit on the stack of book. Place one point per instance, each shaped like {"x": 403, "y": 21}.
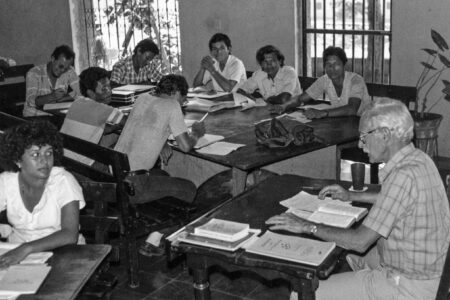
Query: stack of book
{"x": 220, "y": 234}
{"x": 127, "y": 94}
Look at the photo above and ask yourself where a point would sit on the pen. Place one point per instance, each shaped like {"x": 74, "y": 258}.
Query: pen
{"x": 203, "y": 118}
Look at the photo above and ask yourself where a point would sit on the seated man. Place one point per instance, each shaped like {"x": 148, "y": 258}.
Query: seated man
{"x": 346, "y": 91}
{"x": 274, "y": 82}
{"x": 409, "y": 219}
{"x": 221, "y": 70}
{"x": 49, "y": 83}
{"x": 144, "y": 136}
{"x": 141, "y": 67}
{"x": 90, "y": 116}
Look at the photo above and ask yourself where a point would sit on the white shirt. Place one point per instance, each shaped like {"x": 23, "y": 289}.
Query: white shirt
{"x": 234, "y": 70}
{"x": 45, "y": 219}
{"x": 286, "y": 80}
{"x": 353, "y": 87}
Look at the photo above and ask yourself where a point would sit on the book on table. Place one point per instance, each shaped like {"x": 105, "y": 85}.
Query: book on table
{"x": 204, "y": 105}
{"x": 22, "y": 279}
{"x": 291, "y": 248}
{"x": 57, "y": 106}
{"x": 224, "y": 230}
{"x": 328, "y": 211}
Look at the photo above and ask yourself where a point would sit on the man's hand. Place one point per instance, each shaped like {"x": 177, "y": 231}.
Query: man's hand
{"x": 248, "y": 95}
{"x": 289, "y": 222}
{"x": 166, "y": 153}
{"x": 14, "y": 256}
{"x": 277, "y": 109}
{"x": 336, "y": 192}
{"x": 207, "y": 63}
{"x": 198, "y": 129}
{"x": 315, "y": 113}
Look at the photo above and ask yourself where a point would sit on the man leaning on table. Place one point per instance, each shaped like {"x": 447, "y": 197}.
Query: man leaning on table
{"x": 142, "y": 67}
{"x": 409, "y": 219}
{"x": 49, "y": 83}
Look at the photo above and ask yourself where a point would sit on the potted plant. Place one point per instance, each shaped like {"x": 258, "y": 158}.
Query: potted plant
{"x": 426, "y": 124}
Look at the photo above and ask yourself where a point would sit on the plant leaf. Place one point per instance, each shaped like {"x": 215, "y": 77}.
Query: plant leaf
{"x": 447, "y": 97}
{"x": 446, "y": 82}
{"x": 444, "y": 60}
{"x": 428, "y": 66}
{"x": 439, "y": 40}
{"x": 446, "y": 90}
{"x": 430, "y": 51}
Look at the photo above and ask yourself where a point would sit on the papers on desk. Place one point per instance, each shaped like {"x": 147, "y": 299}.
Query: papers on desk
{"x": 224, "y": 230}
{"x": 33, "y": 258}
{"x": 292, "y": 248}
{"x": 203, "y": 105}
{"x": 127, "y": 94}
{"x": 205, "y": 94}
{"x": 207, "y": 139}
{"x": 134, "y": 88}
{"x": 22, "y": 279}
{"x": 298, "y": 116}
{"x": 220, "y": 148}
{"x": 328, "y": 211}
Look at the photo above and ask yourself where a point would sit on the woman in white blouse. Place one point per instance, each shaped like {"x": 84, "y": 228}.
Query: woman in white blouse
{"x": 221, "y": 69}
{"x": 42, "y": 201}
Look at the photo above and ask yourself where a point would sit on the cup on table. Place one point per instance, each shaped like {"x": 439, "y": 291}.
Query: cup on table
{"x": 358, "y": 172}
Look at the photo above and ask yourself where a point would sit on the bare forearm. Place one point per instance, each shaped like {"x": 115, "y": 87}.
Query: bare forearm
{"x": 345, "y": 238}
{"x": 224, "y": 83}
{"x": 367, "y": 197}
{"x": 198, "y": 80}
{"x": 41, "y": 100}
{"x": 57, "y": 239}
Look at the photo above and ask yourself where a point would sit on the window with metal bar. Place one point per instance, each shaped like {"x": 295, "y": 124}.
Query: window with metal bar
{"x": 114, "y": 27}
{"x": 361, "y": 27}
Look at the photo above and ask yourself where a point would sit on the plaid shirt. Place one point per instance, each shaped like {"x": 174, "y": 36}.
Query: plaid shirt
{"x": 123, "y": 72}
{"x": 412, "y": 216}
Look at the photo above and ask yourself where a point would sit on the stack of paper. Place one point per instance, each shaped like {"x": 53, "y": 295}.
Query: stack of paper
{"x": 220, "y": 148}
{"x": 203, "y": 105}
{"x": 292, "y": 248}
{"x": 328, "y": 211}
{"x": 127, "y": 94}
{"x": 223, "y": 230}
{"x": 22, "y": 279}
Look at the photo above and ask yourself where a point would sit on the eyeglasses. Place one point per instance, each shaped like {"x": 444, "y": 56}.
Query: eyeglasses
{"x": 363, "y": 135}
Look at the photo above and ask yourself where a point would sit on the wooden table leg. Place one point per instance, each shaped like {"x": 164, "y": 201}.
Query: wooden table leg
{"x": 305, "y": 289}
{"x": 201, "y": 284}
{"x": 238, "y": 181}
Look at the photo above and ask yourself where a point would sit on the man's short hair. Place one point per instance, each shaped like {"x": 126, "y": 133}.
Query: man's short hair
{"x": 145, "y": 46}
{"x": 390, "y": 113}
{"x": 65, "y": 51}
{"x": 172, "y": 83}
{"x": 219, "y": 37}
{"x": 90, "y": 77}
{"x": 336, "y": 51}
{"x": 268, "y": 50}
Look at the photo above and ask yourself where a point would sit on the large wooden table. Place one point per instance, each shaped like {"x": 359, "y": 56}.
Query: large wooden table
{"x": 317, "y": 159}
{"x": 72, "y": 266}
{"x": 254, "y": 207}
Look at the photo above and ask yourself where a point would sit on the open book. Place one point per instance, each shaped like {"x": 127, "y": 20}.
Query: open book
{"x": 22, "y": 279}
{"x": 223, "y": 230}
{"x": 292, "y": 248}
{"x": 33, "y": 258}
{"x": 203, "y": 105}
{"x": 329, "y": 212}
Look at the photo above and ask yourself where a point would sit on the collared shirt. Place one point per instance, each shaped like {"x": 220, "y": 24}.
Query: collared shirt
{"x": 123, "y": 71}
{"x": 286, "y": 80}
{"x": 353, "y": 87}
{"x": 39, "y": 84}
{"x": 412, "y": 215}
{"x": 61, "y": 188}
{"x": 234, "y": 70}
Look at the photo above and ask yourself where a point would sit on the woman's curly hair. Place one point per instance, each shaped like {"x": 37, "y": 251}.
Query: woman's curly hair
{"x": 17, "y": 139}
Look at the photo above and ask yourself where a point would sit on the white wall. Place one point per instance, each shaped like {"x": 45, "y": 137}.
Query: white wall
{"x": 250, "y": 24}
{"x": 411, "y": 24}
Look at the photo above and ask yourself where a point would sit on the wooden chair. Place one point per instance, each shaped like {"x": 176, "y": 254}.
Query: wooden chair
{"x": 350, "y": 151}
{"x": 12, "y": 95}
{"x": 444, "y": 284}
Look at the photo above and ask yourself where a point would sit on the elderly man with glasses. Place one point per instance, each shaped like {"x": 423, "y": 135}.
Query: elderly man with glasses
{"x": 409, "y": 222}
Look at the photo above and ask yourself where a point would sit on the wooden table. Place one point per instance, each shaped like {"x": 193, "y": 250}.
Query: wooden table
{"x": 254, "y": 207}
{"x": 238, "y": 127}
{"x": 72, "y": 266}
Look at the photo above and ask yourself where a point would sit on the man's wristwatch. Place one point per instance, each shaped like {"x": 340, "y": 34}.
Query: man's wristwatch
{"x": 312, "y": 229}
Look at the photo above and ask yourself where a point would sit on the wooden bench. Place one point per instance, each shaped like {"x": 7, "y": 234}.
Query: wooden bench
{"x": 108, "y": 210}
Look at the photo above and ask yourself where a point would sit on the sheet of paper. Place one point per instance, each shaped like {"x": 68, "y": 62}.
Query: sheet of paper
{"x": 220, "y": 148}
{"x": 208, "y": 139}
{"x": 298, "y": 116}
{"x": 33, "y": 258}
{"x": 207, "y": 95}
{"x": 331, "y": 219}
{"x": 133, "y": 88}
{"x": 24, "y": 279}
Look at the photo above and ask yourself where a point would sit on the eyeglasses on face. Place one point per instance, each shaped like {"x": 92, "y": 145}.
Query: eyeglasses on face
{"x": 363, "y": 135}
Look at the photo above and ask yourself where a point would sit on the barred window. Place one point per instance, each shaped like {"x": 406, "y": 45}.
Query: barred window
{"x": 361, "y": 27}
{"x": 114, "y": 27}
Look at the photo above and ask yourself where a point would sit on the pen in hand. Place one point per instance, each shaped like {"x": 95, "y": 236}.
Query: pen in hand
{"x": 203, "y": 118}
